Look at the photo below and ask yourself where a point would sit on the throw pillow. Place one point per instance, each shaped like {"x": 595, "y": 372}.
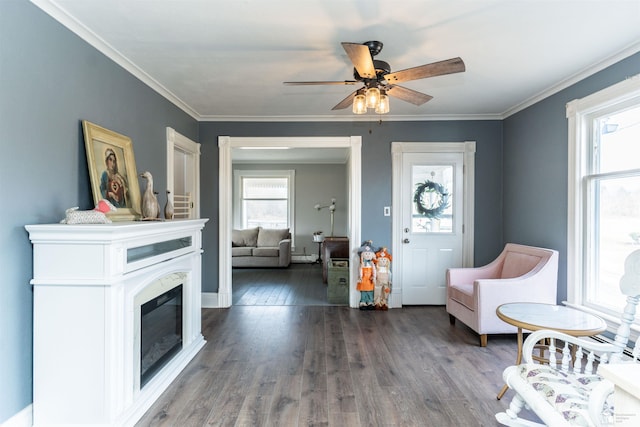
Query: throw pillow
{"x": 268, "y": 237}
{"x": 247, "y": 237}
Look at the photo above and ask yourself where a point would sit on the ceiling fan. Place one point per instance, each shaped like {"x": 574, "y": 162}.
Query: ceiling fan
{"x": 376, "y": 77}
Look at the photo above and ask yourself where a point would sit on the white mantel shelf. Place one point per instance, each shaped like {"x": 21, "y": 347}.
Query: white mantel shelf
{"x": 91, "y": 242}
{"x": 86, "y": 278}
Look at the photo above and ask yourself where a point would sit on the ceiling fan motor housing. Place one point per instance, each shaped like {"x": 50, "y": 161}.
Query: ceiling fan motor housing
{"x": 381, "y": 68}
{"x": 374, "y": 47}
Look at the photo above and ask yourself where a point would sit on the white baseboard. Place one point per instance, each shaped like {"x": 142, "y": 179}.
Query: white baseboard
{"x": 395, "y": 299}
{"x": 210, "y": 300}
{"x": 23, "y": 418}
{"x": 304, "y": 259}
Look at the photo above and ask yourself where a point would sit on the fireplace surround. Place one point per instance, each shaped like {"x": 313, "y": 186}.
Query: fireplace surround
{"x": 93, "y": 285}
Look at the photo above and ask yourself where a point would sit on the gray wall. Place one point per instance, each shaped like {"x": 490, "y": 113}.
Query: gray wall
{"x": 314, "y": 183}
{"x": 535, "y": 167}
{"x": 49, "y": 81}
{"x": 376, "y": 173}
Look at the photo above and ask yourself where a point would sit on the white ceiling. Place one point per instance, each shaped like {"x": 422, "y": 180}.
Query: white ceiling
{"x": 226, "y": 60}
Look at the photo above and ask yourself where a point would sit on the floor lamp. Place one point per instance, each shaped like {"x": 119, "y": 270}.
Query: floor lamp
{"x": 319, "y": 238}
{"x": 332, "y": 210}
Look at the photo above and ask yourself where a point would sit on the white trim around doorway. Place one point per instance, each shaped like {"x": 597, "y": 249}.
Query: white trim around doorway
{"x": 469, "y": 150}
{"x": 225, "y": 200}
{"x": 179, "y": 142}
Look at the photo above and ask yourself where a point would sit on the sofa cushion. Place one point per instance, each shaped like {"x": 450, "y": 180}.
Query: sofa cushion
{"x": 247, "y": 237}
{"x": 266, "y": 251}
{"x": 242, "y": 251}
{"x": 517, "y": 264}
{"x": 271, "y": 237}
{"x": 463, "y": 294}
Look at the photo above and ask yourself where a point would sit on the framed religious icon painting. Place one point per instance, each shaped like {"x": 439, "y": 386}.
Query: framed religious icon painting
{"x": 112, "y": 169}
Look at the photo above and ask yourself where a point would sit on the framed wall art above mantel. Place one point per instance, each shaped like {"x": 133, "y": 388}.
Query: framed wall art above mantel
{"x": 112, "y": 169}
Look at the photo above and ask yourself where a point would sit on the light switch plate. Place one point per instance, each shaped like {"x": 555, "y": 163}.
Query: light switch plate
{"x": 387, "y": 211}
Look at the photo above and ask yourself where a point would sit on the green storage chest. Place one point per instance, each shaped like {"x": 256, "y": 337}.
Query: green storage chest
{"x": 338, "y": 281}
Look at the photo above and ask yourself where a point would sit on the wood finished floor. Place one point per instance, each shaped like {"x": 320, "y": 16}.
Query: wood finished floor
{"x": 299, "y": 284}
{"x": 321, "y": 365}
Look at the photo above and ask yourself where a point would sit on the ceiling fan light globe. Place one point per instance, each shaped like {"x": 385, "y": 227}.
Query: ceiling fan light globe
{"x": 373, "y": 97}
{"x": 383, "y": 106}
{"x": 359, "y": 104}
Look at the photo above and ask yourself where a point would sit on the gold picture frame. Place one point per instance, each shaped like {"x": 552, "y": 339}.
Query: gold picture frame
{"x": 111, "y": 178}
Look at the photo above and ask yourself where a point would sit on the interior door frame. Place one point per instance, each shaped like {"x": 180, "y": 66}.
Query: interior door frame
{"x": 177, "y": 141}
{"x": 398, "y": 149}
{"x": 225, "y": 197}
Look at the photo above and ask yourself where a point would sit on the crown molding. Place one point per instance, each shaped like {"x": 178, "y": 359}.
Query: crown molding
{"x": 571, "y": 80}
{"x": 353, "y": 118}
{"x": 54, "y": 10}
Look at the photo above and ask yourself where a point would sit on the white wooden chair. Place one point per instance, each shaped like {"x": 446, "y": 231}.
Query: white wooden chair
{"x": 567, "y": 391}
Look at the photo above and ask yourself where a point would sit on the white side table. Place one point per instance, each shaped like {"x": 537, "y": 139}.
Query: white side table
{"x": 532, "y": 316}
{"x": 626, "y": 397}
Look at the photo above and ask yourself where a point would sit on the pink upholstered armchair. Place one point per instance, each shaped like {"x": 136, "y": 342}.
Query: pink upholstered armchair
{"x": 519, "y": 274}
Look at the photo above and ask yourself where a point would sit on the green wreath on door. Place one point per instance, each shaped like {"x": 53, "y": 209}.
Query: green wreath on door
{"x": 435, "y": 210}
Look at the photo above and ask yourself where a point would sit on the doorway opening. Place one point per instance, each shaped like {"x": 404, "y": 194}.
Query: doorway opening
{"x": 226, "y": 144}
{"x": 183, "y": 175}
{"x": 433, "y": 229}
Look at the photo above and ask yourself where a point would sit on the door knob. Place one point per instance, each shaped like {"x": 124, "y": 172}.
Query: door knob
{"x": 405, "y": 241}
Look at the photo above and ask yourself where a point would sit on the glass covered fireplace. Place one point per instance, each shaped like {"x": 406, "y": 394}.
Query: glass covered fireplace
{"x": 160, "y": 332}
{"x": 137, "y": 288}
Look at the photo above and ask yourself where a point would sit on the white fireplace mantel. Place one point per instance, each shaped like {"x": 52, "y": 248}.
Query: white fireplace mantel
{"x": 86, "y": 347}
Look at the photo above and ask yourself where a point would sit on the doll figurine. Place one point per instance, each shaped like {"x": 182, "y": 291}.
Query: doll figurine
{"x": 383, "y": 279}
{"x": 366, "y": 275}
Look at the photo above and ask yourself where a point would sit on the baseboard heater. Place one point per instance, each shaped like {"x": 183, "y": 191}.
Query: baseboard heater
{"x": 628, "y": 351}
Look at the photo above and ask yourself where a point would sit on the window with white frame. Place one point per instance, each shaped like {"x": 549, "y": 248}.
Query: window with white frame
{"x": 264, "y": 199}
{"x": 604, "y": 195}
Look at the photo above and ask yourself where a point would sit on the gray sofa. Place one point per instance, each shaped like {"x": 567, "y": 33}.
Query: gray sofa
{"x": 261, "y": 247}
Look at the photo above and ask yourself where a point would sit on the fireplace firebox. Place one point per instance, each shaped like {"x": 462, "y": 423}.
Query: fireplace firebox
{"x": 160, "y": 332}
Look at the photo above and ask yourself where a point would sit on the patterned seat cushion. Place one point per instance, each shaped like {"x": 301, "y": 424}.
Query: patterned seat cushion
{"x": 568, "y": 393}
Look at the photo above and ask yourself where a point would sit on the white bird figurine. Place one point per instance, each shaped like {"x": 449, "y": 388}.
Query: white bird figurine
{"x": 150, "y": 207}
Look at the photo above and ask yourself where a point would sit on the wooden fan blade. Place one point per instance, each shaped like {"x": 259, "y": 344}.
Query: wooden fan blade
{"x": 409, "y": 95}
{"x": 348, "y": 101}
{"x": 361, "y": 58}
{"x": 344, "y": 82}
{"x": 449, "y": 66}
